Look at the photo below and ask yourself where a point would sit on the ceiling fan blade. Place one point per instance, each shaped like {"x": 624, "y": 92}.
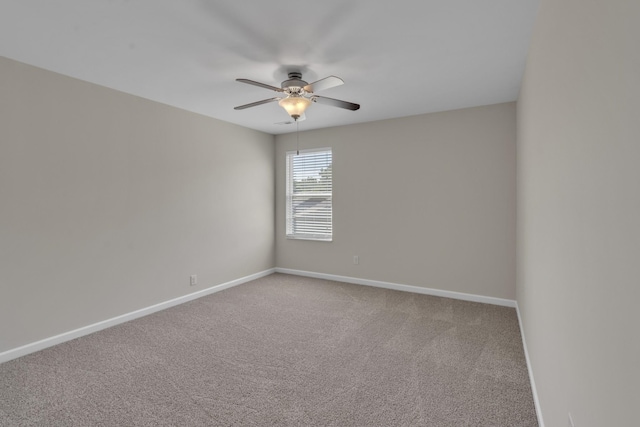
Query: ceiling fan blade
{"x": 322, "y": 84}
{"x": 264, "y": 85}
{"x": 335, "y": 102}
{"x": 255, "y": 104}
{"x": 290, "y": 122}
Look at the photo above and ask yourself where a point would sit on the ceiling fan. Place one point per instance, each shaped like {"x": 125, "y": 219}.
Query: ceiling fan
{"x": 298, "y": 94}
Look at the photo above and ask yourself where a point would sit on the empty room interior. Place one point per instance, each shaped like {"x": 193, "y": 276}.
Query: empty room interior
{"x": 443, "y": 230}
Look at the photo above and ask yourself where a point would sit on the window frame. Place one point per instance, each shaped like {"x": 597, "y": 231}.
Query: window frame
{"x": 290, "y": 216}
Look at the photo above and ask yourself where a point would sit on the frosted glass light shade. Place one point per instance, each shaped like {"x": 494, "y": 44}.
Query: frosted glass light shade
{"x": 295, "y": 105}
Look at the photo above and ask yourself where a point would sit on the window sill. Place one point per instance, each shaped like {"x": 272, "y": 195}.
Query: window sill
{"x": 313, "y": 239}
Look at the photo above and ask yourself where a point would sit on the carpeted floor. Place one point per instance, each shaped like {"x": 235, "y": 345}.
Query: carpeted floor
{"x": 284, "y": 351}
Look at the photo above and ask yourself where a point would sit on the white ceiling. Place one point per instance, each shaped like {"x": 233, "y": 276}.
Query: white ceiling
{"x": 397, "y": 58}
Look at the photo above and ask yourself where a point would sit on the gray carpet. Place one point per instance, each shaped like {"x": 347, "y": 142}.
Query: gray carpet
{"x": 286, "y": 351}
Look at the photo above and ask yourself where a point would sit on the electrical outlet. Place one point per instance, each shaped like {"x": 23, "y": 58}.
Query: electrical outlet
{"x": 356, "y": 259}
{"x": 193, "y": 280}
{"x": 571, "y": 424}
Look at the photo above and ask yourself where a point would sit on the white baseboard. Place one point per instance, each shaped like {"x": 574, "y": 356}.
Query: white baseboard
{"x": 534, "y": 391}
{"x": 399, "y": 287}
{"x": 85, "y": 330}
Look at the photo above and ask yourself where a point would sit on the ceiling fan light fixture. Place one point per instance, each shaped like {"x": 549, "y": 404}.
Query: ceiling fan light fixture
{"x": 295, "y": 105}
{"x": 292, "y": 95}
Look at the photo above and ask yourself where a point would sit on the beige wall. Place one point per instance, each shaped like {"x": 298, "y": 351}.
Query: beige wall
{"x": 579, "y": 211}
{"x": 426, "y": 200}
{"x": 109, "y": 202}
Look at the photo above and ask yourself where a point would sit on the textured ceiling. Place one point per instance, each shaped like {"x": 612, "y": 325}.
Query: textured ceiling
{"x": 397, "y": 58}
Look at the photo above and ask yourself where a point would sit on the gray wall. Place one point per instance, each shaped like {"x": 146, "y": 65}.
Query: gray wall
{"x": 426, "y": 200}
{"x": 579, "y": 211}
{"x": 109, "y": 202}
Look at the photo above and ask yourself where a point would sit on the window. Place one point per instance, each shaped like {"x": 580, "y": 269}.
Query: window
{"x": 309, "y": 189}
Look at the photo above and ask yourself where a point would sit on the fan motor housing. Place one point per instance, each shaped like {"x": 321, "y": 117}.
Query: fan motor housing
{"x": 295, "y": 81}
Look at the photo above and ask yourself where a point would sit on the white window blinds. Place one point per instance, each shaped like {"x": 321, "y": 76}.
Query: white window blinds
{"x": 309, "y": 191}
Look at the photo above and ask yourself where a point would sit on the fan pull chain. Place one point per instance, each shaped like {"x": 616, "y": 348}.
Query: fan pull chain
{"x": 297, "y": 139}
